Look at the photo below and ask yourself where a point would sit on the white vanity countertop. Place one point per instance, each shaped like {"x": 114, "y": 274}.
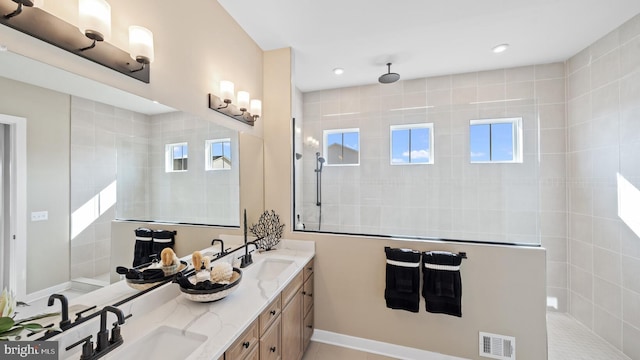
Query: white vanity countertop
{"x": 222, "y": 322}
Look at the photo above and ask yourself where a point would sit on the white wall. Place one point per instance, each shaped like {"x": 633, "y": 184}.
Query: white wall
{"x": 48, "y": 128}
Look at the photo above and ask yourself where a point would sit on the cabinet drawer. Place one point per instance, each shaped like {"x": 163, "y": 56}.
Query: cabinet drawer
{"x": 270, "y": 345}
{"x": 308, "y": 269}
{"x": 308, "y": 295}
{"x": 308, "y": 328}
{"x": 246, "y": 343}
{"x": 270, "y": 314}
{"x": 290, "y": 291}
{"x": 253, "y": 354}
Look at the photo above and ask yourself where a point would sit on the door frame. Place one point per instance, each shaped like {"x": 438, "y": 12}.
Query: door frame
{"x": 18, "y": 205}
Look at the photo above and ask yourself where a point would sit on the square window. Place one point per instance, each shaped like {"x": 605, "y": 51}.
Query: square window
{"x": 342, "y": 147}
{"x": 176, "y": 157}
{"x": 412, "y": 144}
{"x": 495, "y": 140}
{"x": 218, "y": 154}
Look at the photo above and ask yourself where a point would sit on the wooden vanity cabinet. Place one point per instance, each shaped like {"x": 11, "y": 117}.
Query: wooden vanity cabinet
{"x": 283, "y": 330}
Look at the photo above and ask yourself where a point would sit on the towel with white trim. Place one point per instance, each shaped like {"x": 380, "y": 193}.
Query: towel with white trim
{"x": 442, "y": 287}
{"x": 402, "y": 290}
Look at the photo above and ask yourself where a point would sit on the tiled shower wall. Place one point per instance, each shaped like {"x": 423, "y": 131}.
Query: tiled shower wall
{"x": 452, "y": 198}
{"x": 603, "y": 90}
{"x": 95, "y": 129}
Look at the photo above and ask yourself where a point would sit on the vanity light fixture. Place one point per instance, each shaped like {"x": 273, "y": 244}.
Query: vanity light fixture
{"x": 224, "y": 104}
{"x": 94, "y": 20}
{"x": 17, "y": 11}
{"x": 500, "y": 48}
{"x": 94, "y": 23}
{"x": 141, "y": 46}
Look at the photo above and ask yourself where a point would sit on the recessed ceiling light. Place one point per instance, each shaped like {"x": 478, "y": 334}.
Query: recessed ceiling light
{"x": 500, "y": 48}
{"x": 338, "y": 71}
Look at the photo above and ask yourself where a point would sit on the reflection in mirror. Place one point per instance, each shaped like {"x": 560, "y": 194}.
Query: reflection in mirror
{"x": 200, "y": 185}
{"x": 73, "y": 172}
{"x": 131, "y": 166}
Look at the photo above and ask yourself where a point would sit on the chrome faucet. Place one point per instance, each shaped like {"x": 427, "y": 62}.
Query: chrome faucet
{"x": 65, "y": 323}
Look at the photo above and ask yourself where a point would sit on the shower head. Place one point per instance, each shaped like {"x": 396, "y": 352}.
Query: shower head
{"x": 320, "y": 161}
{"x": 389, "y": 77}
{"x": 298, "y": 156}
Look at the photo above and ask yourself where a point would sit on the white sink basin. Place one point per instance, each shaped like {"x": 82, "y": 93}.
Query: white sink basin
{"x": 165, "y": 342}
{"x": 270, "y": 269}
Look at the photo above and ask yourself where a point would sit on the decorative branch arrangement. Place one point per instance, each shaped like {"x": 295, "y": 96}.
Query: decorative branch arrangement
{"x": 268, "y": 230}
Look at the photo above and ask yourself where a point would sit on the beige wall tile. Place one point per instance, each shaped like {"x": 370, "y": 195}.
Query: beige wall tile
{"x": 630, "y": 343}
{"x": 605, "y": 45}
{"x": 607, "y": 326}
{"x": 550, "y": 71}
{"x": 631, "y": 307}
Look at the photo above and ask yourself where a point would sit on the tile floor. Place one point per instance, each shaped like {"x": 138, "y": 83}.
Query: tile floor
{"x": 568, "y": 340}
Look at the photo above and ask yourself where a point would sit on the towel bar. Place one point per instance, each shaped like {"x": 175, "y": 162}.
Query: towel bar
{"x": 461, "y": 254}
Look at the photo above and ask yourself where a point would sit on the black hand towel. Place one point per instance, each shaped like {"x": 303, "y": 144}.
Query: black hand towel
{"x": 402, "y": 290}
{"x": 442, "y": 288}
{"x": 162, "y": 239}
{"x": 143, "y": 246}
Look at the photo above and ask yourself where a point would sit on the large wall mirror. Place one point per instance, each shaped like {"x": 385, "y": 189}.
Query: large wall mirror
{"x": 96, "y": 154}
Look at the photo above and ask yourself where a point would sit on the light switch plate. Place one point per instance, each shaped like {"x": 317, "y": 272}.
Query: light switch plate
{"x": 39, "y": 215}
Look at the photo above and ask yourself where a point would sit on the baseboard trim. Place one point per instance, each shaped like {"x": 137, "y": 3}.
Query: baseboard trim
{"x": 377, "y": 347}
{"x": 46, "y": 292}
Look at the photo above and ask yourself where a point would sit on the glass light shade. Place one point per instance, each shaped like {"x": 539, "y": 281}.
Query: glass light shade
{"x": 141, "y": 44}
{"x": 226, "y": 90}
{"x": 256, "y": 107}
{"x": 94, "y": 16}
{"x": 243, "y": 99}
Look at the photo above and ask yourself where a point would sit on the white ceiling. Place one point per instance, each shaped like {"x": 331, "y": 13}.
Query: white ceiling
{"x": 422, "y": 37}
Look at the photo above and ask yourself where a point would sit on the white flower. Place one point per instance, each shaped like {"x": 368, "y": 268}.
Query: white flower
{"x": 7, "y": 304}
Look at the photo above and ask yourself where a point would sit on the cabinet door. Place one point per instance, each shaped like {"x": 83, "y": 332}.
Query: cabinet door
{"x": 270, "y": 346}
{"x": 308, "y": 329}
{"x": 292, "y": 328}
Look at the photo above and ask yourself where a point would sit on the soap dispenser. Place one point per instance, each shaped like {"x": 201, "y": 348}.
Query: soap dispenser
{"x": 299, "y": 224}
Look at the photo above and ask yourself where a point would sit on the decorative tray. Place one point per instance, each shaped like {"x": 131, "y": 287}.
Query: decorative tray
{"x": 218, "y": 292}
{"x": 143, "y": 284}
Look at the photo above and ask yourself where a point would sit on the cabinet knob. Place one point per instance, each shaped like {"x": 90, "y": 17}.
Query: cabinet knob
{"x": 310, "y": 326}
{"x": 272, "y": 312}
{"x": 246, "y": 344}
{"x": 310, "y": 268}
{"x": 272, "y": 349}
